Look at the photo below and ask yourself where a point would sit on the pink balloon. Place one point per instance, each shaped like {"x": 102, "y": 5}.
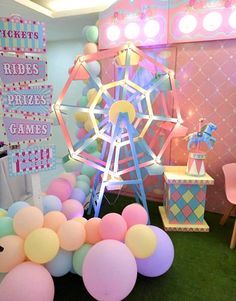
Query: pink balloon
{"x": 135, "y": 214}
{"x": 72, "y": 208}
{"x": 60, "y": 188}
{"x": 81, "y": 133}
{"x": 109, "y": 271}
{"x": 113, "y": 226}
{"x": 27, "y": 281}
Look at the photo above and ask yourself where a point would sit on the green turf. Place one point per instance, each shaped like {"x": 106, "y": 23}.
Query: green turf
{"x": 204, "y": 267}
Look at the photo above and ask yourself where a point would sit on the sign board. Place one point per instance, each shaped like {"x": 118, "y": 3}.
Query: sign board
{"x": 15, "y": 70}
{"x": 22, "y": 130}
{"x": 31, "y": 160}
{"x": 20, "y": 35}
{"x": 35, "y": 100}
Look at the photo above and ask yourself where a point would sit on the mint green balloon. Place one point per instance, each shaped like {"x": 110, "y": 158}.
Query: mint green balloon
{"x": 88, "y": 170}
{"x": 78, "y": 258}
{"x": 91, "y": 34}
{"x": 83, "y": 101}
{"x": 6, "y": 226}
{"x": 92, "y": 147}
{"x": 83, "y": 186}
{"x": 70, "y": 164}
{"x": 83, "y": 178}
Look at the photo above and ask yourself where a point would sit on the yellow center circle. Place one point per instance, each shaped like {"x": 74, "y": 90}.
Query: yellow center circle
{"x": 121, "y": 106}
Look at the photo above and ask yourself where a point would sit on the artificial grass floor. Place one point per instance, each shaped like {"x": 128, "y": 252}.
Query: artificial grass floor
{"x": 204, "y": 267}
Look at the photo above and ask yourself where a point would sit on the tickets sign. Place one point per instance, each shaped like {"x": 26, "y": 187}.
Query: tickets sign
{"x": 19, "y": 130}
{"x": 20, "y": 35}
{"x": 31, "y": 160}
{"x": 34, "y": 100}
{"x": 15, "y": 70}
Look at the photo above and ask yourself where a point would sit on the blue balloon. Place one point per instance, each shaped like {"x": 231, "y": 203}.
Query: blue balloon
{"x": 79, "y": 195}
{"x": 61, "y": 264}
{"x": 15, "y": 207}
{"x": 51, "y": 203}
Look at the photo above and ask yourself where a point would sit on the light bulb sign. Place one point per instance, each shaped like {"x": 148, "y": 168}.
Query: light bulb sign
{"x": 16, "y": 70}
{"x": 35, "y": 100}
{"x": 20, "y": 35}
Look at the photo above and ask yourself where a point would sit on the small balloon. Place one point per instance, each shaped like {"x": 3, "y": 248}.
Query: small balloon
{"x": 91, "y": 34}
{"x": 61, "y": 264}
{"x": 79, "y": 256}
{"x": 15, "y": 207}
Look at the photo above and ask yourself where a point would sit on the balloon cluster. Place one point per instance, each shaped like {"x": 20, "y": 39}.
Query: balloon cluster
{"x": 107, "y": 252}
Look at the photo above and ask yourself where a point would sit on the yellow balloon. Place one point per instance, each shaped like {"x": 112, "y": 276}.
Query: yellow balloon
{"x": 3, "y": 212}
{"x": 88, "y": 125}
{"x": 81, "y": 116}
{"x": 91, "y": 95}
{"x": 41, "y": 245}
{"x": 141, "y": 241}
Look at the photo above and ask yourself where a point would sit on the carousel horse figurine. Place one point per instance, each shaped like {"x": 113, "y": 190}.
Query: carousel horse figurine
{"x": 204, "y": 135}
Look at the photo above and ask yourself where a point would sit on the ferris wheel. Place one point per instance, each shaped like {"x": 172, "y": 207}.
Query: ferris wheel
{"x": 125, "y": 117}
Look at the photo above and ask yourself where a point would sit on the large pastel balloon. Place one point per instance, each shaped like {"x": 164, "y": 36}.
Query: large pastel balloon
{"x": 91, "y": 34}
{"x": 92, "y": 230}
{"x": 61, "y": 264}
{"x": 78, "y": 258}
{"x": 51, "y": 203}
{"x": 12, "y": 254}
{"x": 161, "y": 260}
{"x": 41, "y": 245}
{"x": 83, "y": 178}
{"x": 15, "y": 207}
{"x": 6, "y": 226}
{"x": 72, "y": 208}
{"x": 94, "y": 67}
{"x": 113, "y": 226}
{"x": 79, "y": 195}
{"x": 109, "y": 271}
{"x": 3, "y": 212}
{"x": 90, "y": 48}
{"x": 141, "y": 241}
{"x": 26, "y": 282}
{"x": 26, "y": 220}
{"x": 83, "y": 186}
{"x": 53, "y": 220}
{"x": 60, "y": 188}
{"x": 71, "y": 235}
{"x": 70, "y": 177}
{"x": 135, "y": 214}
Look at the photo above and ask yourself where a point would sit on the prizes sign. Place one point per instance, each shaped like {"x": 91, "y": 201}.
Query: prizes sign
{"x": 31, "y": 160}
{"x": 15, "y": 70}
{"x": 20, "y": 35}
{"x": 35, "y": 100}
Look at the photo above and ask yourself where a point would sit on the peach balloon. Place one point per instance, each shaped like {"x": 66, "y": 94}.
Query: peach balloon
{"x": 26, "y": 220}
{"x": 70, "y": 177}
{"x": 92, "y": 230}
{"x": 71, "y": 235}
{"x": 90, "y": 48}
{"x": 54, "y": 219}
{"x": 12, "y": 254}
{"x": 81, "y": 220}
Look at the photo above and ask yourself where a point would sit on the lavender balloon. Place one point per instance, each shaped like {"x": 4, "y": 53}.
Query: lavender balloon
{"x": 79, "y": 195}
{"x": 161, "y": 260}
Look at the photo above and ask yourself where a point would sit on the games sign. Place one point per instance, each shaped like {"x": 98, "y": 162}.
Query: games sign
{"x": 31, "y": 160}
{"x": 16, "y": 70}
{"x": 18, "y": 35}
{"x": 35, "y": 100}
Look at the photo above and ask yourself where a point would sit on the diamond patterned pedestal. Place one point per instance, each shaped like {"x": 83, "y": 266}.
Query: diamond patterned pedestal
{"x": 184, "y": 200}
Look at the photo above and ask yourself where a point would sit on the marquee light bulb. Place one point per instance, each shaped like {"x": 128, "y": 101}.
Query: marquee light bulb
{"x": 132, "y": 31}
{"x": 212, "y": 21}
{"x": 113, "y": 33}
{"x": 232, "y": 19}
{"x": 187, "y": 24}
{"x": 152, "y": 28}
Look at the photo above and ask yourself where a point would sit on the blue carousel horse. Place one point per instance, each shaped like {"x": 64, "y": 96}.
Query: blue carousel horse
{"x": 204, "y": 135}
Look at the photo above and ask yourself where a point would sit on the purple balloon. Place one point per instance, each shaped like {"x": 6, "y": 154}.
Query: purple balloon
{"x": 79, "y": 195}
{"x": 161, "y": 260}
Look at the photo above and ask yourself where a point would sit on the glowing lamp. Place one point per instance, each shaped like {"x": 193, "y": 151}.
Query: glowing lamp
{"x": 232, "y": 20}
{"x": 187, "y": 24}
{"x": 212, "y": 21}
{"x": 132, "y": 31}
{"x": 113, "y": 33}
{"x": 151, "y": 28}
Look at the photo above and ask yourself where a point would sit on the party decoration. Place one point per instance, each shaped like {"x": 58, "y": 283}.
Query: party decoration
{"x": 79, "y": 195}
{"x": 15, "y": 207}
{"x": 3, "y": 212}
{"x": 12, "y": 253}
{"x": 53, "y": 220}
{"x": 109, "y": 271}
{"x": 113, "y": 226}
{"x": 70, "y": 177}
{"x": 83, "y": 186}
{"x": 90, "y": 48}
{"x": 135, "y": 214}
{"x": 6, "y": 226}
{"x": 92, "y": 228}
{"x": 26, "y": 220}
{"x": 161, "y": 260}
{"x": 72, "y": 208}
{"x": 78, "y": 258}
{"x": 83, "y": 178}
{"x": 91, "y": 34}
{"x": 51, "y": 203}
{"x": 41, "y": 245}
{"x": 60, "y": 188}
{"x": 27, "y": 281}
{"x": 141, "y": 240}
{"x": 61, "y": 264}
{"x": 71, "y": 235}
